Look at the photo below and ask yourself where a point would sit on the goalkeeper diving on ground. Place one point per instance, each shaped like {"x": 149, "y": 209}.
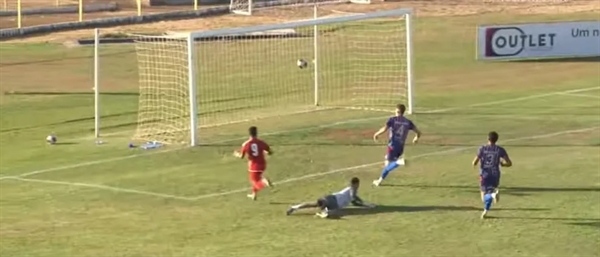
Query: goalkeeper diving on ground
{"x": 332, "y": 203}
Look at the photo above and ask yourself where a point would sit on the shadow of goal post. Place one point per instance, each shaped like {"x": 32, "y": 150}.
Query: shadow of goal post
{"x": 360, "y": 62}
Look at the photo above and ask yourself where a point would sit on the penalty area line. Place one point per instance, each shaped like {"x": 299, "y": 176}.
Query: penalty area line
{"x": 121, "y": 158}
{"x": 454, "y": 150}
{"x": 581, "y": 95}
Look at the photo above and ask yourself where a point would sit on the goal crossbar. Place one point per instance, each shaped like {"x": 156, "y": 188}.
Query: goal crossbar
{"x": 303, "y": 23}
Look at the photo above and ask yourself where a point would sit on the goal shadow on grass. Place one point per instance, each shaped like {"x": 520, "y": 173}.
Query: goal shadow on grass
{"x": 61, "y": 59}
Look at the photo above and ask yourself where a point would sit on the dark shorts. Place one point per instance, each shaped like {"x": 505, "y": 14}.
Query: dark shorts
{"x": 394, "y": 153}
{"x": 489, "y": 182}
{"x": 331, "y": 202}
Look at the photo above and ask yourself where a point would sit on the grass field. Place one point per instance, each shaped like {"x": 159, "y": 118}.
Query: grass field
{"x": 80, "y": 199}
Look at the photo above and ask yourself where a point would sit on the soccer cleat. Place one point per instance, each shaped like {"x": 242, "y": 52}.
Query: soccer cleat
{"x": 290, "y": 211}
{"x": 401, "y": 162}
{"x": 267, "y": 182}
{"x": 377, "y": 182}
{"x": 484, "y": 214}
{"x": 252, "y": 196}
{"x": 496, "y": 195}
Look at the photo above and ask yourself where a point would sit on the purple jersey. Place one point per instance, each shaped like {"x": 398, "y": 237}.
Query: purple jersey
{"x": 398, "y": 128}
{"x": 489, "y": 158}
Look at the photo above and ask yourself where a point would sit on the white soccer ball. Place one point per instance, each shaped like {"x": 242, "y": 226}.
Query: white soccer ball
{"x": 51, "y": 139}
{"x": 302, "y": 63}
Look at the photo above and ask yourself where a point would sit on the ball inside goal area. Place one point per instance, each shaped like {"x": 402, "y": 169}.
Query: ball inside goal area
{"x": 302, "y": 63}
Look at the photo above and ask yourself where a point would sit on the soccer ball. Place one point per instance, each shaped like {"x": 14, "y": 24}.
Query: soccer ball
{"x": 51, "y": 139}
{"x": 302, "y": 63}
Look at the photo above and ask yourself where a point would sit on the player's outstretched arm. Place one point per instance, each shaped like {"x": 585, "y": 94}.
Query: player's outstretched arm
{"x": 242, "y": 153}
{"x": 506, "y": 162}
{"x": 476, "y": 161}
{"x": 237, "y": 154}
{"x": 360, "y": 203}
{"x": 268, "y": 149}
{"x": 379, "y": 132}
{"x": 418, "y": 136}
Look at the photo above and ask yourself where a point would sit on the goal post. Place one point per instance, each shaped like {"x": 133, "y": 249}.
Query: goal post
{"x": 192, "y": 80}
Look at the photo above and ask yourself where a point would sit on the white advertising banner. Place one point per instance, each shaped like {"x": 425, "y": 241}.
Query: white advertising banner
{"x": 539, "y": 40}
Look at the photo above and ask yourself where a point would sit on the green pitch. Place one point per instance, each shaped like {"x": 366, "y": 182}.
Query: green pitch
{"x": 80, "y": 199}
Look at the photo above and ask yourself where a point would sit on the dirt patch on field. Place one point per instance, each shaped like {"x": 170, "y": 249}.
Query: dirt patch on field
{"x": 346, "y": 135}
{"x": 281, "y": 14}
{"x": 441, "y": 140}
{"x": 366, "y": 135}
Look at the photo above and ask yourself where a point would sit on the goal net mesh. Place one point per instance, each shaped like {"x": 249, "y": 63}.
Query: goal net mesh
{"x": 164, "y": 107}
{"x": 359, "y": 64}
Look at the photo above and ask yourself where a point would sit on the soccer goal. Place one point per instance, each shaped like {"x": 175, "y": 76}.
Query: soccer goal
{"x": 209, "y": 78}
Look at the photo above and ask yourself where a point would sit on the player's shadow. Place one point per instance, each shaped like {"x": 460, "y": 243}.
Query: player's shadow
{"x": 65, "y": 143}
{"x": 506, "y": 189}
{"x": 421, "y": 208}
{"x": 574, "y": 221}
{"x": 593, "y": 224}
{"x": 402, "y": 208}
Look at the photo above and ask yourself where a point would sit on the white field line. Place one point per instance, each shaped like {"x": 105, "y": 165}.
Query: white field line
{"x": 518, "y": 99}
{"x": 582, "y": 95}
{"x": 459, "y": 149}
{"x": 120, "y": 158}
{"x": 572, "y": 91}
{"x": 103, "y": 187}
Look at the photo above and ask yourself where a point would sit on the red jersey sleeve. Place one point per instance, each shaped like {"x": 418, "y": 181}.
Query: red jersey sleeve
{"x": 266, "y": 146}
{"x": 244, "y": 148}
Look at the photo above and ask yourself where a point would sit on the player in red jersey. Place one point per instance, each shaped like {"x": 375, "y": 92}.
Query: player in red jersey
{"x": 255, "y": 149}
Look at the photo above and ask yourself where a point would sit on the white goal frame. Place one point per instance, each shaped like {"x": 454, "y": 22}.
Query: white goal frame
{"x": 191, "y": 60}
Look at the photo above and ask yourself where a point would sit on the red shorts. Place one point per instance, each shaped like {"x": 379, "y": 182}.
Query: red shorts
{"x": 256, "y": 176}
{"x": 253, "y": 167}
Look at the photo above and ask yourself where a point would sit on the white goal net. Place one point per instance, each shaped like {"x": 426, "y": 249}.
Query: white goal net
{"x": 218, "y": 77}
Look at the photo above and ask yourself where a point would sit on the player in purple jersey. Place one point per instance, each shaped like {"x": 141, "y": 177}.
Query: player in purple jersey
{"x": 398, "y": 127}
{"x": 489, "y": 158}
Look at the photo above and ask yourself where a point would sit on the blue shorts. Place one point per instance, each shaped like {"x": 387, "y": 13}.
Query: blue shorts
{"x": 394, "y": 153}
{"x": 489, "y": 182}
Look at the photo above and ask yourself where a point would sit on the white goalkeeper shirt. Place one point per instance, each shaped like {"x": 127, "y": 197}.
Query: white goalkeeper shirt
{"x": 344, "y": 197}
